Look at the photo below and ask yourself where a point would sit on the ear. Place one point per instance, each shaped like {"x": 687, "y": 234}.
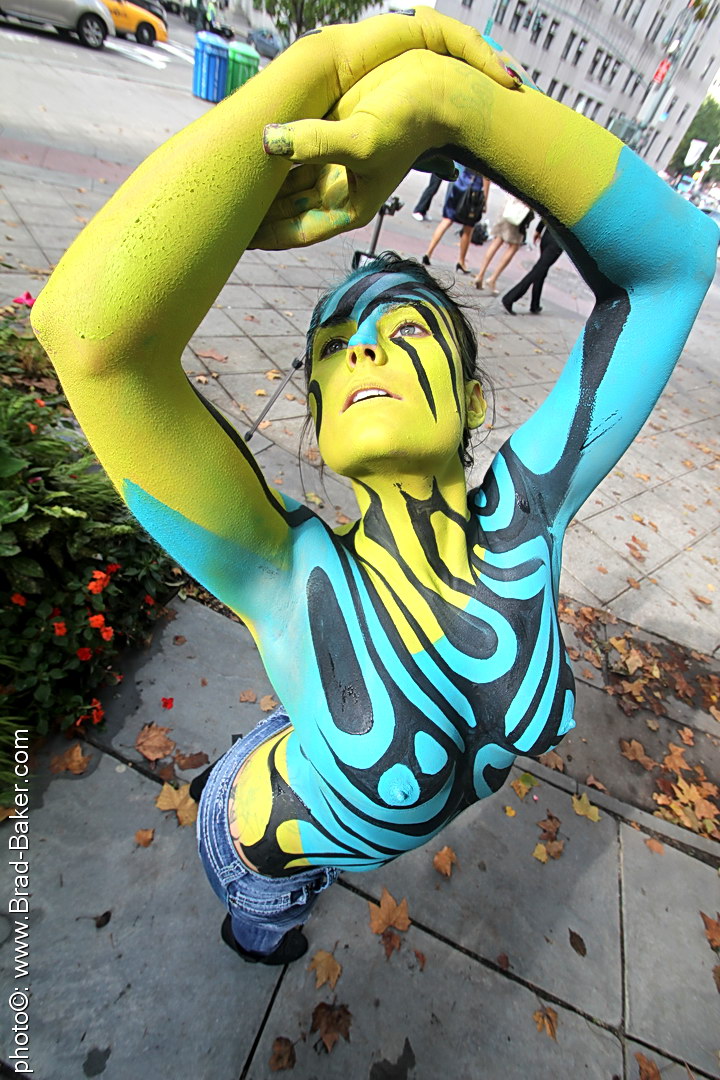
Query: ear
{"x": 475, "y": 404}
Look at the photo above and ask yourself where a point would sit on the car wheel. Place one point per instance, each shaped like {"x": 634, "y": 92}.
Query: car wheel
{"x": 145, "y": 34}
{"x": 91, "y": 31}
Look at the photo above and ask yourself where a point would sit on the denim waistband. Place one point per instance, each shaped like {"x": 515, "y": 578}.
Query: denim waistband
{"x": 215, "y": 843}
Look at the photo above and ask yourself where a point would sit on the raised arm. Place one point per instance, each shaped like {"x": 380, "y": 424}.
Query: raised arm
{"x": 125, "y": 299}
{"x": 647, "y": 254}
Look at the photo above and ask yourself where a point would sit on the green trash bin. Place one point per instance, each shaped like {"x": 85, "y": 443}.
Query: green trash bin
{"x": 243, "y": 63}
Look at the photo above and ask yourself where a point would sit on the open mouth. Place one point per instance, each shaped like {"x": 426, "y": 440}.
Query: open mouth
{"x": 366, "y": 392}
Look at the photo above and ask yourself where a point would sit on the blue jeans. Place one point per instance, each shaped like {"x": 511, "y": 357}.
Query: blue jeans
{"x": 262, "y": 909}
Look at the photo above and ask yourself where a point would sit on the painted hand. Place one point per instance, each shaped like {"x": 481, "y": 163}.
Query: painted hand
{"x": 350, "y": 162}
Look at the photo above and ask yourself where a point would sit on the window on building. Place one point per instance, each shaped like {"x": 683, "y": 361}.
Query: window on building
{"x": 657, "y": 25}
{"x": 467, "y": 3}
{"x": 582, "y": 45}
{"x": 636, "y": 11}
{"x": 618, "y": 5}
{"x": 596, "y": 110}
{"x": 613, "y": 71}
{"x": 537, "y": 26}
{"x": 535, "y": 76}
{"x": 663, "y": 152}
{"x": 709, "y": 64}
{"x": 595, "y": 61}
{"x": 528, "y": 18}
{"x": 500, "y": 13}
{"x": 626, "y": 8}
{"x": 552, "y": 88}
{"x": 635, "y": 85}
{"x": 682, "y": 113}
{"x": 563, "y": 91}
{"x": 607, "y": 60}
{"x": 568, "y": 45}
{"x": 628, "y": 80}
{"x": 552, "y": 31}
{"x": 611, "y": 116}
{"x": 517, "y": 15}
{"x": 673, "y": 103}
{"x": 691, "y": 54}
{"x": 579, "y": 100}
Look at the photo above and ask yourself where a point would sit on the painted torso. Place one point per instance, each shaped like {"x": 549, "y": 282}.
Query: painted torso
{"x": 409, "y": 702}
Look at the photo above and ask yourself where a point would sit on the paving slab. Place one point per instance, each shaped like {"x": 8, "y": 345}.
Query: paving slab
{"x": 501, "y": 900}
{"x": 672, "y": 1001}
{"x": 204, "y": 675}
{"x": 440, "y": 1014}
{"x": 154, "y": 992}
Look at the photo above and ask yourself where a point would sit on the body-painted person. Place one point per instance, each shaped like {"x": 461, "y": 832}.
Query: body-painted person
{"x": 417, "y": 651}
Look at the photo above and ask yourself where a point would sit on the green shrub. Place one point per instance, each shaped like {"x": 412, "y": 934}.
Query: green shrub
{"x": 79, "y": 579}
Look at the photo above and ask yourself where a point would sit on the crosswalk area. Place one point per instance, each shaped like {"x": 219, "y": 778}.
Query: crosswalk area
{"x": 159, "y": 56}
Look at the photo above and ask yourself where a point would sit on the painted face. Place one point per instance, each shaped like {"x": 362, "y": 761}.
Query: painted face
{"x": 387, "y": 388}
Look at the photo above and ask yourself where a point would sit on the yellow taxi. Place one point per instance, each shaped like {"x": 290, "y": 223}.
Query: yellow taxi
{"x": 131, "y": 19}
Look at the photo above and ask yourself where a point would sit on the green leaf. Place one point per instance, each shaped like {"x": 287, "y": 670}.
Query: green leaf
{"x": 9, "y": 463}
{"x": 7, "y": 516}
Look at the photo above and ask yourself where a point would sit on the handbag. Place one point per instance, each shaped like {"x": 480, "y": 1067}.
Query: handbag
{"x": 515, "y": 211}
{"x": 480, "y": 233}
{"x": 470, "y": 206}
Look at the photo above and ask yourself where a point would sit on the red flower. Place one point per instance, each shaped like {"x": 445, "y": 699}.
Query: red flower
{"x": 107, "y": 633}
{"x": 97, "y": 711}
{"x": 60, "y": 629}
{"x": 26, "y": 299}
{"x": 19, "y": 599}
{"x": 39, "y": 401}
{"x": 100, "y": 581}
{"x": 33, "y": 427}
{"x": 96, "y": 621}
{"x": 149, "y": 600}
{"x": 167, "y": 702}
{"x": 84, "y": 653}
{"x": 113, "y": 567}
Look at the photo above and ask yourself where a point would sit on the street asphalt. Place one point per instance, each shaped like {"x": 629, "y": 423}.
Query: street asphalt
{"x": 586, "y": 958}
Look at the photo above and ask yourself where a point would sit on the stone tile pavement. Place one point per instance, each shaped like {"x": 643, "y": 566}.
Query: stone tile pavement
{"x": 608, "y": 936}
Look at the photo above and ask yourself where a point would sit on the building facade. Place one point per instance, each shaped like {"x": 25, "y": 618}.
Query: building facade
{"x": 639, "y": 67}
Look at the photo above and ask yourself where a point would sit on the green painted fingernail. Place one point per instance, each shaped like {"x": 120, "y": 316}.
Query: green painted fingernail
{"x": 277, "y": 140}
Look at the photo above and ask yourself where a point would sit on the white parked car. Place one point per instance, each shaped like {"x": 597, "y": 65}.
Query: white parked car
{"x": 89, "y": 19}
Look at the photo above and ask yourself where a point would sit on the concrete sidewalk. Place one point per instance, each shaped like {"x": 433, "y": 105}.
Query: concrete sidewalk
{"x": 512, "y": 967}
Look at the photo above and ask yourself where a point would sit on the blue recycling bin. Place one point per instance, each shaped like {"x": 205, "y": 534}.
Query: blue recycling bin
{"x": 210, "y": 67}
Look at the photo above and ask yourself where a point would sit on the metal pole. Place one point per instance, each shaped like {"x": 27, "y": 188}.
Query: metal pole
{"x": 295, "y": 366}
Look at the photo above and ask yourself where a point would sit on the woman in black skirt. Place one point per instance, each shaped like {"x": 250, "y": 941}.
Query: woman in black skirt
{"x": 464, "y": 205}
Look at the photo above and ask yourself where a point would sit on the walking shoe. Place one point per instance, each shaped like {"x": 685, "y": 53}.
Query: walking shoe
{"x": 419, "y": 217}
{"x": 425, "y": 260}
{"x": 507, "y": 306}
{"x": 292, "y": 946}
{"x": 535, "y": 310}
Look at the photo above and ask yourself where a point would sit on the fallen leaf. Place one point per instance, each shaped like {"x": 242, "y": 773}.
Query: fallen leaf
{"x": 592, "y": 781}
{"x": 635, "y": 751}
{"x": 584, "y": 808}
{"x": 6, "y": 812}
{"x": 633, "y": 661}
{"x": 577, "y": 943}
{"x": 248, "y": 696}
{"x": 326, "y": 968}
{"x": 314, "y": 498}
{"x": 330, "y": 1022}
{"x": 655, "y": 845}
{"x": 540, "y": 853}
{"x": 503, "y": 961}
{"x": 152, "y": 742}
{"x": 250, "y": 318}
{"x": 264, "y": 425}
{"x": 72, "y": 761}
{"x": 167, "y": 773}
{"x": 342, "y": 519}
{"x": 687, "y": 735}
{"x": 203, "y": 681}
{"x": 191, "y": 761}
{"x": 211, "y": 354}
{"x": 648, "y": 1068}
{"x": 554, "y": 848}
{"x": 388, "y": 913}
{"x": 268, "y": 703}
{"x": 549, "y": 826}
{"x": 391, "y": 942}
{"x": 144, "y": 837}
{"x": 602, "y": 569}
{"x": 587, "y": 673}
{"x": 633, "y": 583}
{"x": 712, "y": 929}
{"x": 523, "y": 784}
{"x": 261, "y": 393}
{"x": 675, "y": 760}
{"x": 421, "y": 959}
{"x": 179, "y": 639}
{"x": 178, "y": 799}
{"x": 553, "y": 760}
{"x": 282, "y": 1055}
{"x": 444, "y": 860}
{"x": 273, "y": 374}
{"x": 546, "y": 1020}
{"x": 703, "y": 599}
{"x": 102, "y": 920}
{"x": 201, "y": 379}
{"x": 509, "y": 811}
{"x": 716, "y": 976}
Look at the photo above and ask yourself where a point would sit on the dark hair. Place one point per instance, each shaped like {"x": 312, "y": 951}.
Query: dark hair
{"x": 389, "y": 262}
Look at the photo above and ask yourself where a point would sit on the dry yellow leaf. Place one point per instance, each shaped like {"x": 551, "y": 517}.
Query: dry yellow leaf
{"x": 268, "y": 703}
{"x": 388, "y": 913}
{"x": 540, "y": 853}
{"x": 655, "y": 845}
{"x": 444, "y": 860}
{"x": 326, "y": 968}
{"x": 144, "y": 837}
{"x": 509, "y": 811}
{"x": 584, "y": 808}
{"x": 248, "y": 696}
{"x": 178, "y": 799}
{"x": 72, "y": 761}
{"x": 152, "y": 742}
{"x": 546, "y": 1020}
{"x": 523, "y": 784}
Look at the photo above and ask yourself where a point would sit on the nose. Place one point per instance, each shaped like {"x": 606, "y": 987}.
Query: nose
{"x": 356, "y": 354}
